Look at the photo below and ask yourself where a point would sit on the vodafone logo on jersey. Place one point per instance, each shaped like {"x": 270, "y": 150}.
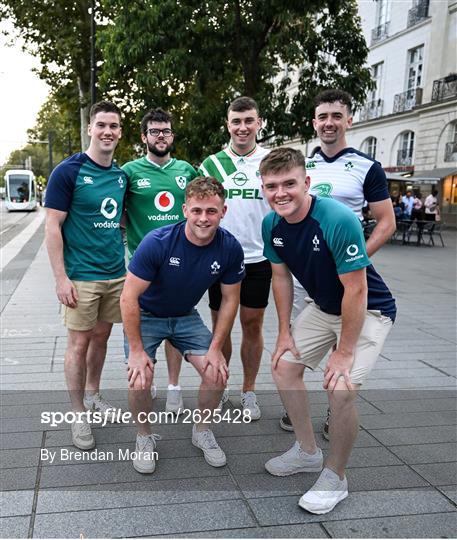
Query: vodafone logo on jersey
{"x": 164, "y": 201}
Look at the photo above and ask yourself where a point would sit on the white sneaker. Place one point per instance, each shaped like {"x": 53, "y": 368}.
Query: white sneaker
{"x": 96, "y": 402}
{"x": 326, "y": 493}
{"x": 224, "y": 398}
{"x": 174, "y": 402}
{"x": 81, "y": 435}
{"x": 144, "y": 459}
{"x": 213, "y": 453}
{"x": 249, "y": 403}
{"x": 295, "y": 460}
{"x": 153, "y": 391}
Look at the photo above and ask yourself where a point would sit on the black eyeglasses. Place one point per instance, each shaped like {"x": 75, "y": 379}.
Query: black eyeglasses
{"x": 154, "y": 132}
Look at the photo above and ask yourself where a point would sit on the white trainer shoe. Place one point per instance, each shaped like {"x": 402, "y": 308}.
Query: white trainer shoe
{"x": 174, "y": 402}
{"x": 153, "y": 391}
{"x": 96, "y": 402}
{"x": 295, "y": 460}
{"x": 81, "y": 435}
{"x": 249, "y": 403}
{"x": 144, "y": 458}
{"x": 224, "y": 398}
{"x": 213, "y": 453}
{"x": 325, "y": 494}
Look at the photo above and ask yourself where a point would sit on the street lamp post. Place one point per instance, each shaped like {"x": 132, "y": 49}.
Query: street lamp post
{"x": 93, "y": 64}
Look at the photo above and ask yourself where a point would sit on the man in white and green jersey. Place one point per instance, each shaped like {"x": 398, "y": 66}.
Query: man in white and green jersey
{"x": 237, "y": 167}
{"x": 155, "y": 195}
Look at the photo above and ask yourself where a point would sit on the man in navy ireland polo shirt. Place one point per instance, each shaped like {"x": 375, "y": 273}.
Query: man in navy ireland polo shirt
{"x": 170, "y": 271}
{"x": 320, "y": 242}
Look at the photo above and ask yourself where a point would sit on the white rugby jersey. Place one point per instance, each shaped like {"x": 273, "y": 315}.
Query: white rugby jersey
{"x": 350, "y": 177}
{"x": 246, "y": 206}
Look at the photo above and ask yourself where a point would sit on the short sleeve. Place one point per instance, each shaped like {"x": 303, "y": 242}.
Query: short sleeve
{"x": 147, "y": 258}
{"x": 235, "y": 271}
{"x": 375, "y": 185}
{"x": 61, "y": 185}
{"x": 267, "y": 228}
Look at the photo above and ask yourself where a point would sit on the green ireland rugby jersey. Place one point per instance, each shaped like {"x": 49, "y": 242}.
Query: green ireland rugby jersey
{"x": 246, "y": 207}
{"x": 155, "y": 196}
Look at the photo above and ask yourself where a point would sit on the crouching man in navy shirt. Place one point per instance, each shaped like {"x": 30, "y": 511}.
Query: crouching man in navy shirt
{"x": 170, "y": 271}
{"x": 320, "y": 241}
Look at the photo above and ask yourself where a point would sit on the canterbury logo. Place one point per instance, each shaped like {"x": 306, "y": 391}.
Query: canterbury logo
{"x": 278, "y": 242}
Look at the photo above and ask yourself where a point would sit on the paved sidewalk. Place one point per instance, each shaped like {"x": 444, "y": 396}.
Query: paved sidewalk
{"x": 402, "y": 473}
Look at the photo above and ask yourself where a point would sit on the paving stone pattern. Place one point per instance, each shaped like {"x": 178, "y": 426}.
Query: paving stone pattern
{"x": 402, "y": 473}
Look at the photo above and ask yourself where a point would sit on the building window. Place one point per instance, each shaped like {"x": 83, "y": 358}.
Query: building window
{"x": 414, "y": 70}
{"x": 369, "y": 147}
{"x": 381, "y": 30}
{"x": 406, "y": 149}
{"x": 418, "y": 12}
{"x": 450, "y": 153}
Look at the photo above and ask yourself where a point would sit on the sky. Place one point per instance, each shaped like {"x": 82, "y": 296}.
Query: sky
{"x": 21, "y": 94}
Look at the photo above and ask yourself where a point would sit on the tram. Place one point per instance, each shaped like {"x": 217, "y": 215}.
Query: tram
{"x": 20, "y": 190}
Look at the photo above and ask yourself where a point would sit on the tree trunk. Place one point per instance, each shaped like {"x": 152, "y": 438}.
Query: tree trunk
{"x": 84, "y": 107}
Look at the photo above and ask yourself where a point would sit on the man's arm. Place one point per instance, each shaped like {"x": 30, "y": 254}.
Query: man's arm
{"x": 383, "y": 213}
{"x": 66, "y": 292}
{"x": 353, "y": 312}
{"x": 225, "y": 317}
{"x": 138, "y": 360}
{"x": 283, "y": 294}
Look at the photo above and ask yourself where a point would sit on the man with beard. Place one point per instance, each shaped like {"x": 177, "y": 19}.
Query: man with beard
{"x": 155, "y": 195}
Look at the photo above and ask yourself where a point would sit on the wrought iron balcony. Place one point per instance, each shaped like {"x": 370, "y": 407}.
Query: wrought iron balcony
{"x": 445, "y": 87}
{"x": 380, "y": 32}
{"x": 373, "y": 109}
{"x": 404, "y": 157}
{"x": 407, "y": 100}
{"x": 450, "y": 152}
{"x": 418, "y": 13}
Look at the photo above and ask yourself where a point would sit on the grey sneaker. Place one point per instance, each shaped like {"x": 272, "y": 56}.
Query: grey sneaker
{"x": 224, "y": 398}
{"x": 249, "y": 403}
{"x": 286, "y": 423}
{"x": 144, "y": 458}
{"x": 295, "y": 460}
{"x": 212, "y": 452}
{"x": 174, "y": 402}
{"x": 325, "y": 494}
{"x": 97, "y": 402}
{"x": 153, "y": 391}
{"x": 326, "y": 428}
{"x": 81, "y": 435}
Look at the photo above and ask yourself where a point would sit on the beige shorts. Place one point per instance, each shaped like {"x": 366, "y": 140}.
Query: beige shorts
{"x": 315, "y": 333}
{"x": 97, "y": 301}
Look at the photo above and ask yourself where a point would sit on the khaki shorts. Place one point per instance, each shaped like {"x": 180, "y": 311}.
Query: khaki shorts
{"x": 97, "y": 301}
{"x": 315, "y": 333}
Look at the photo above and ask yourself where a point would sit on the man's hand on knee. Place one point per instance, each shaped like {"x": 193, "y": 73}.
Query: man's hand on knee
{"x": 285, "y": 342}
{"x": 140, "y": 365}
{"x": 338, "y": 365}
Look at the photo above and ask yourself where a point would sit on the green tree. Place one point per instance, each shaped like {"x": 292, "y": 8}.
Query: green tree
{"x": 58, "y": 32}
{"x": 193, "y": 57}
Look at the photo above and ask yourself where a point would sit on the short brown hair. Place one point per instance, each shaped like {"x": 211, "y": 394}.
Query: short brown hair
{"x": 155, "y": 115}
{"x": 332, "y": 95}
{"x": 242, "y": 104}
{"x": 204, "y": 186}
{"x": 282, "y": 159}
{"x": 104, "y": 106}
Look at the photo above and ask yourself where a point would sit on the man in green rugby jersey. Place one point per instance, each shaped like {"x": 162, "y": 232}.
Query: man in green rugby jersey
{"x": 155, "y": 195}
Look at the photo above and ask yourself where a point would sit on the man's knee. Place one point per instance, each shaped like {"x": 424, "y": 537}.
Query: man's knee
{"x": 101, "y": 333}
{"x": 285, "y": 372}
{"x": 137, "y": 386}
{"x": 251, "y": 321}
{"x": 77, "y": 344}
{"x": 341, "y": 398}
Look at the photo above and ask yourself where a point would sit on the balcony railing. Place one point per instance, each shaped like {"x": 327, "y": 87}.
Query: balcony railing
{"x": 380, "y": 32}
{"x": 418, "y": 13}
{"x": 407, "y": 100}
{"x": 373, "y": 109}
{"x": 404, "y": 158}
{"x": 445, "y": 88}
{"x": 450, "y": 152}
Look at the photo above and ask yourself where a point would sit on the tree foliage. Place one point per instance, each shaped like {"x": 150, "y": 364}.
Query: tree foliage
{"x": 192, "y": 57}
{"x": 58, "y": 32}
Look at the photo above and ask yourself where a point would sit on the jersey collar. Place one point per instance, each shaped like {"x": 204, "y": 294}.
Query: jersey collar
{"x": 347, "y": 150}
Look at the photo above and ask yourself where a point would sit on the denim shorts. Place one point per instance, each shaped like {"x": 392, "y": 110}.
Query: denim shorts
{"x": 188, "y": 334}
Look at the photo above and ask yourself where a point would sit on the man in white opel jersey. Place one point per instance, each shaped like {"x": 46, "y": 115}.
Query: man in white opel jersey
{"x": 237, "y": 167}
